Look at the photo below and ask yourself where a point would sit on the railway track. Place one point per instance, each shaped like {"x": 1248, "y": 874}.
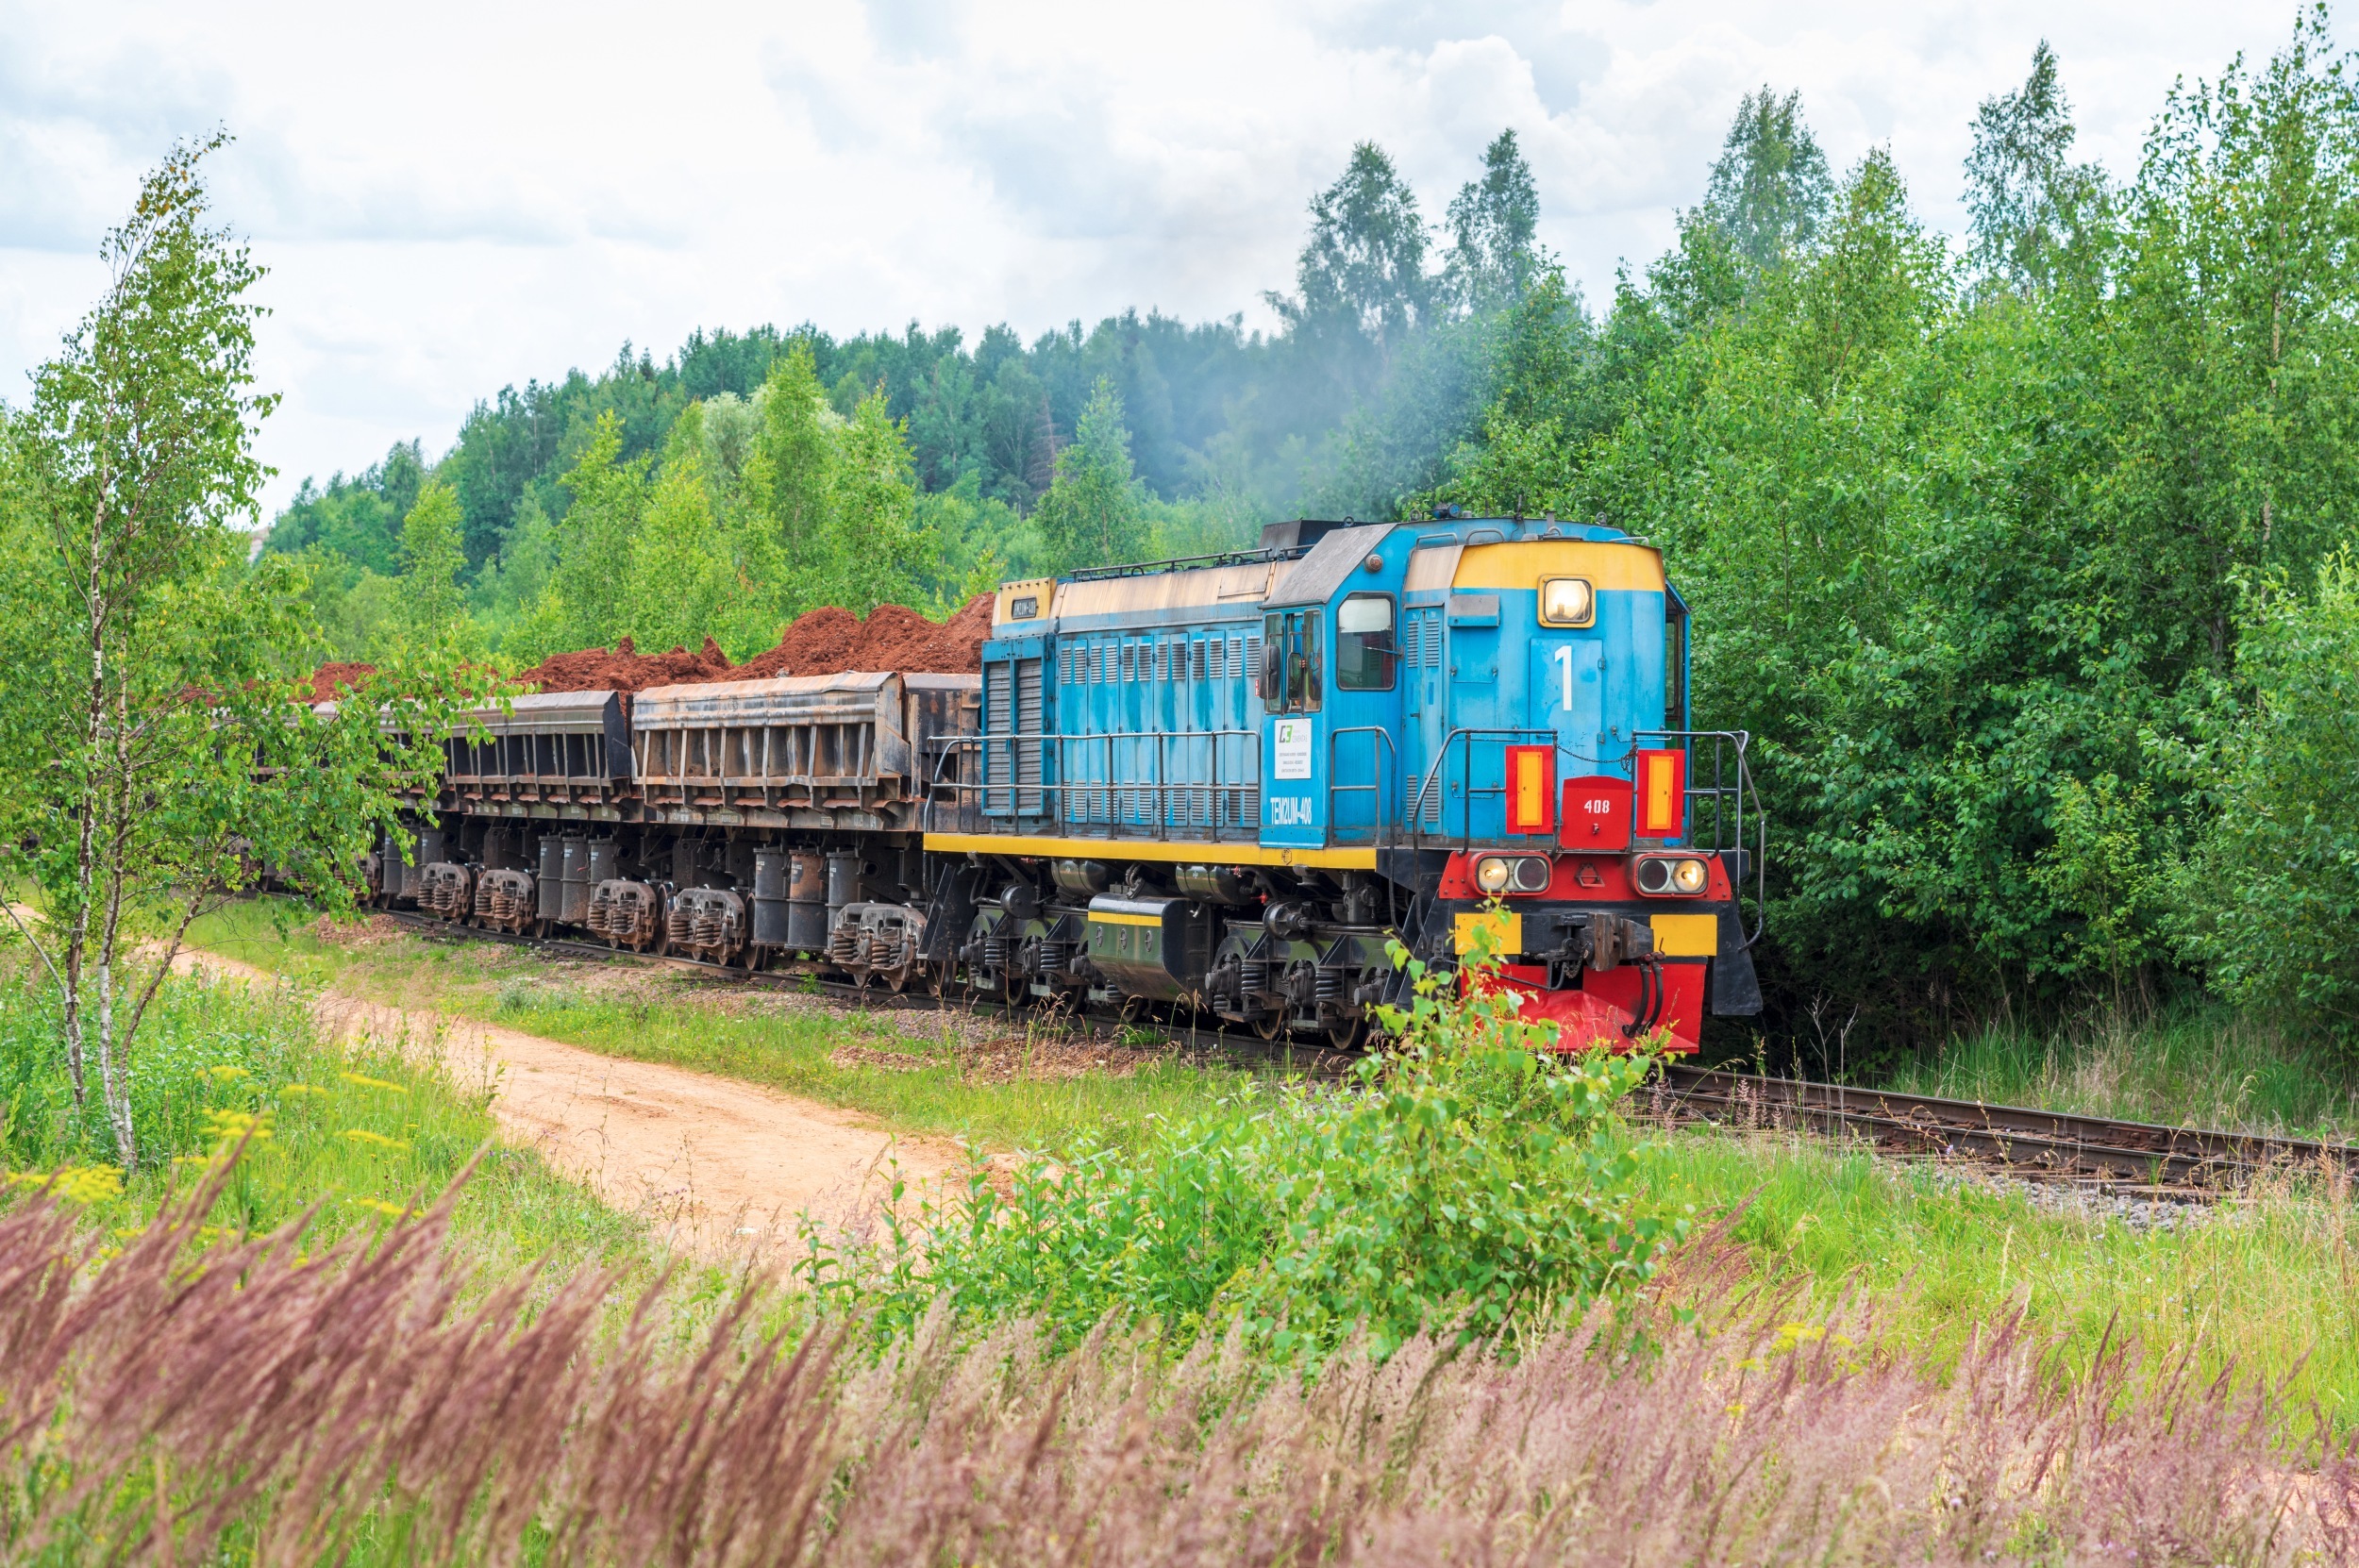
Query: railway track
{"x": 2047, "y": 1145}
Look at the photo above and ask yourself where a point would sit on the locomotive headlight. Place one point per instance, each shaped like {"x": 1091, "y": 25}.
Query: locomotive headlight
{"x": 1567, "y": 602}
{"x": 1669, "y": 875}
{"x": 1513, "y": 874}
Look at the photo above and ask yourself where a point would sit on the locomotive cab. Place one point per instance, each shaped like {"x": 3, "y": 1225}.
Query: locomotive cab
{"x": 1562, "y": 807}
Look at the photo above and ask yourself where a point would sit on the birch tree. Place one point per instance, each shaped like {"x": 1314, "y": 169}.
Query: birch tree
{"x": 153, "y": 760}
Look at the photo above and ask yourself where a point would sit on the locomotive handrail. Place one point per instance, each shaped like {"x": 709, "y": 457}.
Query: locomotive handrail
{"x": 1441, "y": 759}
{"x": 1728, "y": 833}
{"x": 1381, "y": 776}
{"x": 1075, "y": 805}
{"x": 1726, "y": 794}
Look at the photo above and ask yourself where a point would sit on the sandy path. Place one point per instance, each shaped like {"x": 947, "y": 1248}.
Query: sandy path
{"x": 721, "y": 1168}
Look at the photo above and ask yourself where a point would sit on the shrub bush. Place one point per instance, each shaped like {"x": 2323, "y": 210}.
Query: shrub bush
{"x": 1463, "y": 1177}
{"x": 2273, "y": 891}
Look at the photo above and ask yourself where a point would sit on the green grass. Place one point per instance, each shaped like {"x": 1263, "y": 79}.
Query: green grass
{"x": 681, "y": 1020}
{"x": 2188, "y": 1066}
{"x": 360, "y": 1130}
{"x": 2268, "y": 1284}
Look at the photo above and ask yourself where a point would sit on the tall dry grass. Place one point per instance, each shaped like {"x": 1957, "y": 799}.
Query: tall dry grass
{"x": 251, "y": 1402}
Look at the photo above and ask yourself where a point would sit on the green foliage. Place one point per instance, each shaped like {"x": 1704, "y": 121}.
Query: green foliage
{"x": 1463, "y": 1178}
{"x": 791, "y": 458}
{"x": 873, "y": 550}
{"x": 1092, "y": 516}
{"x": 679, "y": 587}
{"x": 1362, "y": 271}
{"x": 358, "y": 519}
{"x": 432, "y": 554}
{"x": 1493, "y": 256}
{"x": 592, "y": 583}
{"x": 2024, "y": 199}
{"x": 1770, "y": 185}
{"x": 2272, "y": 894}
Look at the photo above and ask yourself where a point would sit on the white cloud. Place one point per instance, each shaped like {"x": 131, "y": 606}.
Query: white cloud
{"x": 455, "y": 197}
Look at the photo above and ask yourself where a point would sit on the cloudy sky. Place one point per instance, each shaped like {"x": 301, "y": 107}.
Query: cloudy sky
{"x": 451, "y": 197}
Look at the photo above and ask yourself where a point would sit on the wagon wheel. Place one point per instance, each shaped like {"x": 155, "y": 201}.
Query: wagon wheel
{"x": 1135, "y": 1009}
{"x": 1347, "y": 1034}
{"x": 1269, "y": 1025}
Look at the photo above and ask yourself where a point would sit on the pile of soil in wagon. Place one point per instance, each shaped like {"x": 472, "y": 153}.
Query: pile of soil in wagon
{"x": 625, "y": 669}
{"x": 829, "y": 641}
{"x": 332, "y": 679}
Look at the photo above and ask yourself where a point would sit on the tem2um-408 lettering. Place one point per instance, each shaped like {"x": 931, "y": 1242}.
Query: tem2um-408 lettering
{"x": 1289, "y": 811}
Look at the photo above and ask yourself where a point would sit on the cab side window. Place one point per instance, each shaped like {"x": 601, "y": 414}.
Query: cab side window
{"x": 1291, "y": 677}
{"x": 1364, "y": 653}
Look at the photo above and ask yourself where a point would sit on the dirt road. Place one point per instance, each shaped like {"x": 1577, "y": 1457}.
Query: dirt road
{"x": 721, "y": 1168}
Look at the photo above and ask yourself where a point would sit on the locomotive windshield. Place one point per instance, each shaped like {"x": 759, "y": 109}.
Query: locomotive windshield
{"x": 1364, "y": 642}
{"x": 1290, "y": 662}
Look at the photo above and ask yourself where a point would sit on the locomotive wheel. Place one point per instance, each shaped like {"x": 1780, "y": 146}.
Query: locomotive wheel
{"x": 1136, "y": 1009}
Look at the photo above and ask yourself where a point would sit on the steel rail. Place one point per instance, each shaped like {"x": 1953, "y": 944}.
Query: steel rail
{"x": 2051, "y": 1143}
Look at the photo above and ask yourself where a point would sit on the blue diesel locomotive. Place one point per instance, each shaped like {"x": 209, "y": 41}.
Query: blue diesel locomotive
{"x": 1216, "y": 784}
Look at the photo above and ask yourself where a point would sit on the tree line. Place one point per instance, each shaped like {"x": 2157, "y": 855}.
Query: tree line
{"x": 750, "y": 476}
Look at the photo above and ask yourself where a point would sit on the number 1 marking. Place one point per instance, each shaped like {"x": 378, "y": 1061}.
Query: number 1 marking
{"x": 1565, "y": 656}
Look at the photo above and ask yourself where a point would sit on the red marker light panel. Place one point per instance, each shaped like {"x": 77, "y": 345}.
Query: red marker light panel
{"x": 1531, "y": 789}
{"x": 1661, "y": 794}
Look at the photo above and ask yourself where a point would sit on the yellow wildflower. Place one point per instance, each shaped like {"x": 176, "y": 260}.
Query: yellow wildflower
{"x": 74, "y": 1183}
{"x": 230, "y": 1125}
